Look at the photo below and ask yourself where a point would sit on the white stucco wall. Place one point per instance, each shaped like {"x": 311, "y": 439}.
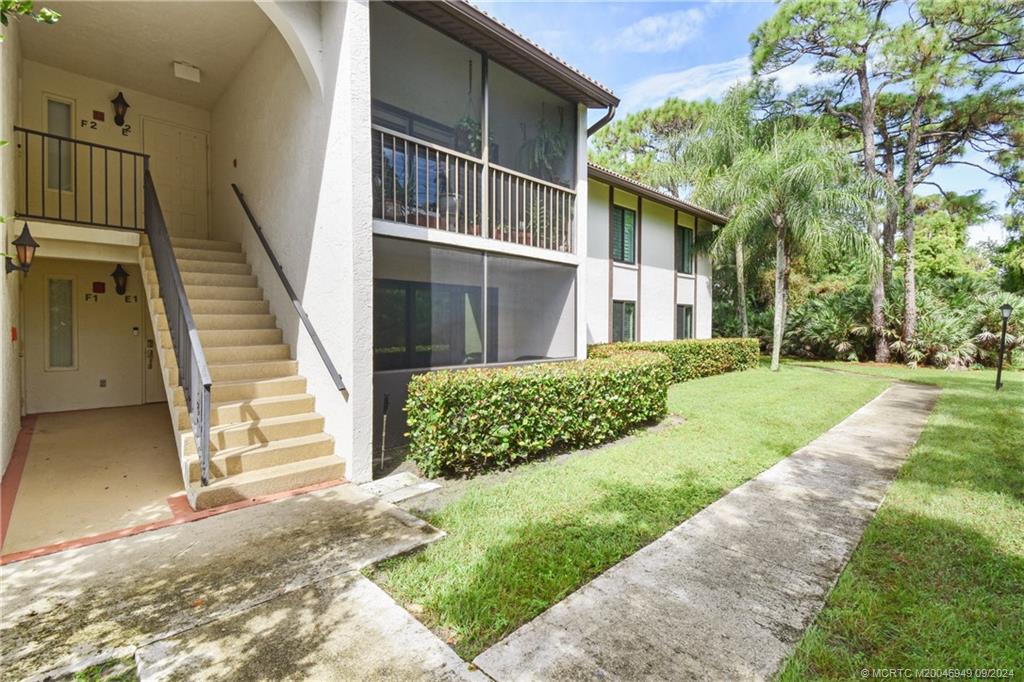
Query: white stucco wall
{"x": 88, "y": 95}
{"x": 10, "y": 373}
{"x": 650, "y": 283}
{"x": 702, "y": 309}
{"x": 657, "y": 272}
{"x": 303, "y": 161}
{"x": 597, "y": 274}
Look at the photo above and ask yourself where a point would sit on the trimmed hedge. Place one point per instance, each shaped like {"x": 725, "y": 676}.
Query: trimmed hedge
{"x": 691, "y": 358}
{"x": 466, "y": 420}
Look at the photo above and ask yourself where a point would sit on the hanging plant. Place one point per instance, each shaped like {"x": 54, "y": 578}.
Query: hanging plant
{"x": 546, "y": 149}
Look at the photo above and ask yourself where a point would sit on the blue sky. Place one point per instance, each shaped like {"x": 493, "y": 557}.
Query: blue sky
{"x": 648, "y": 51}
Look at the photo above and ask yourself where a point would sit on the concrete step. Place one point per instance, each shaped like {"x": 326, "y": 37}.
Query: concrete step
{"x": 230, "y": 391}
{"x": 207, "y": 244}
{"x": 237, "y": 355}
{"x": 251, "y": 484}
{"x": 225, "y": 437}
{"x": 259, "y": 408}
{"x": 253, "y": 370}
{"x": 214, "y": 306}
{"x": 194, "y": 291}
{"x": 233, "y": 321}
{"x": 183, "y": 253}
{"x": 218, "y": 279}
{"x": 214, "y": 338}
{"x": 226, "y": 355}
{"x": 238, "y": 337}
{"x": 253, "y": 409}
{"x": 212, "y": 266}
{"x": 254, "y": 457}
{"x": 223, "y": 321}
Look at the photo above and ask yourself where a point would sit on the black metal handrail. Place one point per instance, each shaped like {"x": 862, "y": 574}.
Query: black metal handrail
{"x": 68, "y": 180}
{"x": 335, "y": 375}
{"x": 193, "y": 373}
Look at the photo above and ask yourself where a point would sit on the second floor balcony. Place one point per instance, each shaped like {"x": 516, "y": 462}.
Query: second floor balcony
{"x": 434, "y": 101}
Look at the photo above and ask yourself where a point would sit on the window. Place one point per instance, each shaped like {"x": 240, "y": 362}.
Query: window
{"x": 623, "y": 234}
{"x": 60, "y": 323}
{"x": 684, "y": 250}
{"x": 58, "y": 152}
{"x": 684, "y": 321}
{"x": 623, "y": 321}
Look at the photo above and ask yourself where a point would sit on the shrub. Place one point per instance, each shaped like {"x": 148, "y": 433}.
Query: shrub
{"x": 692, "y": 358}
{"x": 466, "y": 420}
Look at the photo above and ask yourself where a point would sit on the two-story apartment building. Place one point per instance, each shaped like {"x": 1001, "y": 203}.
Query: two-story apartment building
{"x": 310, "y": 201}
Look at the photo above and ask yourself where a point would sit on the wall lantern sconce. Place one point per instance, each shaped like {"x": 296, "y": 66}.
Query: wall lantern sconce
{"x": 120, "y": 108}
{"x": 25, "y": 246}
{"x": 120, "y": 276}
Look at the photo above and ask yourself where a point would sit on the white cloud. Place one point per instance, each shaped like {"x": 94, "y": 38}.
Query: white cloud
{"x": 708, "y": 80}
{"x": 659, "y": 32}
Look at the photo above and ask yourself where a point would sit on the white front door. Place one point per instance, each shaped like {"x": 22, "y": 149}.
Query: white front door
{"x": 178, "y": 164}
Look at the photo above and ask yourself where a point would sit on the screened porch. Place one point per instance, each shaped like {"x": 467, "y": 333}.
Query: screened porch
{"x": 434, "y": 102}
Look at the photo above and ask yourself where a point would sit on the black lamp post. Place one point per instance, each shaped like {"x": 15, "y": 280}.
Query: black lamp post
{"x": 1004, "y": 311}
{"x": 120, "y": 276}
{"x": 120, "y": 108}
{"x": 25, "y": 246}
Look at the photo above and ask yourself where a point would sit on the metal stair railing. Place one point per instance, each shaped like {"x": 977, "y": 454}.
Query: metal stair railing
{"x": 193, "y": 372}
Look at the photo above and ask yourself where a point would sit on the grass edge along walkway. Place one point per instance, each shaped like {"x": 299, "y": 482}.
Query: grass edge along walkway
{"x": 516, "y": 548}
{"x": 937, "y": 582}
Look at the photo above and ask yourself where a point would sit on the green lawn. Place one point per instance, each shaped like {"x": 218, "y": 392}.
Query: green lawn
{"x": 516, "y": 548}
{"x": 938, "y": 579}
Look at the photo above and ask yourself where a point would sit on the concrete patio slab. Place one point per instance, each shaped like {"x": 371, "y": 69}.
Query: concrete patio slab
{"x": 76, "y": 484}
{"x": 728, "y": 593}
{"x": 342, "y": 628}
{"x": 108, "y": 598}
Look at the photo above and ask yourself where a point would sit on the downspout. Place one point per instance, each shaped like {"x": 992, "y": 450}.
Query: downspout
{"x": 602, "y": 122}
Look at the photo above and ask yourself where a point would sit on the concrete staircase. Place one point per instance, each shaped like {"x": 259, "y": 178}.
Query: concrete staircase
{"x": 265, "y": 435}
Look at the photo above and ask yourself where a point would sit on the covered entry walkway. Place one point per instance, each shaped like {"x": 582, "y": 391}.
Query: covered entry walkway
{"x": 88, "y": 473}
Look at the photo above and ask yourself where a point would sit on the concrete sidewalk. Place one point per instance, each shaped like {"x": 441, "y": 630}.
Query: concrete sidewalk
{"x": 268, "y": 592}
{"x": 728, "y": 593}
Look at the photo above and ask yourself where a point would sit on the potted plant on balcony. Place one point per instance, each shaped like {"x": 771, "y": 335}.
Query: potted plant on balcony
{"x": 546, "y": 149}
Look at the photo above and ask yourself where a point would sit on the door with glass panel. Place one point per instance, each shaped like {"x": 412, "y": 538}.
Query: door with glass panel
{"x": 58, "y": 158}
{"x": 82, "y": 342}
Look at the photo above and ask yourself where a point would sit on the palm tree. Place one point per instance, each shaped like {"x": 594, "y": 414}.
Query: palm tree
{"x": 803, "y": 187}
{"x": 720, "y": 134}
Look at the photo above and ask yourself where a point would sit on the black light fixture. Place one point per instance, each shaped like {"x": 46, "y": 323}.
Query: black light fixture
{"x": 1004, "y": 312}
{"x": 120, "y": 276}
{"x": 120, "y": 108}
{"x": 25, "y": 246}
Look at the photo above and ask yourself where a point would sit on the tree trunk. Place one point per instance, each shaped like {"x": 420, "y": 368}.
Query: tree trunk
{"x": 909, "y": 275}
{"x": 781, "y": 272}
{"x": 868, "y": 130}
{"x": 741, "y": 290}
{"x": 892, "y": 214}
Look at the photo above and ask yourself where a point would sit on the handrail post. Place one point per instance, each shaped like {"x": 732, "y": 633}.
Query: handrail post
{"x": 335, "y": 375}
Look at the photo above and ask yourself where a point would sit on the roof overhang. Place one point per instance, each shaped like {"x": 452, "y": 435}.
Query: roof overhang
{"x": 478, "y": 30}
{"x": 609, "y": 177}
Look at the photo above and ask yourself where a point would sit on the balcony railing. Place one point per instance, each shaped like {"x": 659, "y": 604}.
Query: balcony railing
{"x": 529, "y": 211}
{"x": 66, "y": 180}
{"x": 416, "y": 182}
